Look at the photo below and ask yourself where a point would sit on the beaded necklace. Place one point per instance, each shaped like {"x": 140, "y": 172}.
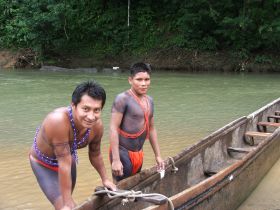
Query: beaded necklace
{"x": 76, "y": 143}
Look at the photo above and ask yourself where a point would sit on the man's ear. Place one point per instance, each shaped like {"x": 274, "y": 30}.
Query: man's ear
{"x": 72, "y": 105}
{"x": 129, "y": 80}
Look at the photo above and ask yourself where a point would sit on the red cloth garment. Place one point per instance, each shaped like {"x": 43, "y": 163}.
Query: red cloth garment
{"x": 54, "y": 168}
{"x": 136, "y": 159}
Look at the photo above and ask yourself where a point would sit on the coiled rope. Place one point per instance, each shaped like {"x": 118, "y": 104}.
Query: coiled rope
{"x": 130, "y": 195}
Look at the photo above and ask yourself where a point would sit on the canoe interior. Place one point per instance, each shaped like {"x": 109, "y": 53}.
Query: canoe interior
{"x": 218, "y": 172}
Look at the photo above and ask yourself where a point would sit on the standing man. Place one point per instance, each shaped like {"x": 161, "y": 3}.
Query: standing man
{"x": 131, "y": 123}
{"x": 53, "y": 156}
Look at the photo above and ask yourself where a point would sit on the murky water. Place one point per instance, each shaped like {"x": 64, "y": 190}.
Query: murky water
{"x": 266, "y": 195}
{"x": 187, "y": 108}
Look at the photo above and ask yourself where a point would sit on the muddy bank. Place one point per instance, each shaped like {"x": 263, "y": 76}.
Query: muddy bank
{"x": 168, "y": 59}
{"x": 8, "y": 59}
{"x": 25, "y": 58}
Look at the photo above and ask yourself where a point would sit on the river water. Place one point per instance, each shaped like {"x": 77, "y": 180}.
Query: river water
{"x": 188, "y": 106}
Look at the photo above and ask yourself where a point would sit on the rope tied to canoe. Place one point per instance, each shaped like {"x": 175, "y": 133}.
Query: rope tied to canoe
{"x": 130, "y": 195}
{"x": 174, "y": 168}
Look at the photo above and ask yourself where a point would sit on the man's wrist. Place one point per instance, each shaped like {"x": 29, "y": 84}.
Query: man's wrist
{"x": 116, "y": 159}
{"x": 104, "y": 179}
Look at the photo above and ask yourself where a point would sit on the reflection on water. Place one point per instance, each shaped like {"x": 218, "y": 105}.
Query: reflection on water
{"x": 187, "y": 108}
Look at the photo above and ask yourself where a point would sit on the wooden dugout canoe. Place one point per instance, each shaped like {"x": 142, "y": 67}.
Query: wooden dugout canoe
{"x": 218, "y": 172}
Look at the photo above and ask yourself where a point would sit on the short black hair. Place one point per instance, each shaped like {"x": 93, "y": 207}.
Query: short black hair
{"x": 140, "y": 67}
{"x": 90, "y": 88}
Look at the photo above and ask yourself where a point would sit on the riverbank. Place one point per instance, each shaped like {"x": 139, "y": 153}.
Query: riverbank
{"x": 167, "y": 59}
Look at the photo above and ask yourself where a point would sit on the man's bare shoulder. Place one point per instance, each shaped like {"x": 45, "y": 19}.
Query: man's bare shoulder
{"x": 57, "y": 119}
{"x": 122, "y": 96}
{"x": 120, "y": 102}
{"x": 150, "y": 97}
{"x": 58, "y": 115}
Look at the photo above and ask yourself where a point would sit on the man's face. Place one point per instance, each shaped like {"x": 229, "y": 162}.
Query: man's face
{"x": 88, "y": 111}
{"x": 140, "y": 83}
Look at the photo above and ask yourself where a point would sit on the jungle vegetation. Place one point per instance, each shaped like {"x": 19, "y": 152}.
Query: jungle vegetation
{"x": 110, "y": 27}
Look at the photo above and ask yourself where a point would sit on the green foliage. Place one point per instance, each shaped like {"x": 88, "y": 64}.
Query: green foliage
{"x": 263, "y": 59}
{"x": 99, "y": 27}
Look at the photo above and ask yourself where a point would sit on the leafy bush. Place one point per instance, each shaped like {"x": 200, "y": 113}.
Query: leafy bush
{"x": 99, "y": 27}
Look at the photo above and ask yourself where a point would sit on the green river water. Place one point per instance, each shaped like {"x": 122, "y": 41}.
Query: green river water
{"x": 188, "y": 106}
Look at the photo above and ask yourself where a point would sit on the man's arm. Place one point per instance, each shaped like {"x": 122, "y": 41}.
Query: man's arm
{"x": 155, "y": 146}
{"x": 96, "y": 159}
{"x": 57, "y": 130}
{"x": 63, "y": 154}
{"x": 117, "y": 167}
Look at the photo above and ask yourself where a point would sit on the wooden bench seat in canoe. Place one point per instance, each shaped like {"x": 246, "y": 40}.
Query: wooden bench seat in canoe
{"x": 239, "y": 149}
{"x": 262, "y": 126}
{"x": 275, "y": 118}
{"x": 251, "y": 135}
{"x": 217, "y": 167}
{"x": 239, "y": 152}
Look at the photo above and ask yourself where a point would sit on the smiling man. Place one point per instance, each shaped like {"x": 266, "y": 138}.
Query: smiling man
{"x": 131, "y": 123}
{"x": 53, "y": 156}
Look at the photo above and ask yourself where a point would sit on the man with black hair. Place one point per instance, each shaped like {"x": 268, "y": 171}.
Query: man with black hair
{"x": 132, "y": 122}
{"x": 53, "y": 156}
